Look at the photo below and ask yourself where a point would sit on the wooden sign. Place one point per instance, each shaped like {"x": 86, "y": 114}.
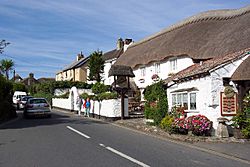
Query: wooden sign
{"x": 228, "y": 104}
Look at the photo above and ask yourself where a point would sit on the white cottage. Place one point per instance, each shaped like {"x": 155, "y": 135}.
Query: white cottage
{"x": 200, "y": 88}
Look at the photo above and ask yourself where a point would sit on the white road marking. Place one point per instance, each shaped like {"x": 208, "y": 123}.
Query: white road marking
{"x": 78, "y": 132}
{"x": 102, "y": 145}
{"x": 127, "y": 157}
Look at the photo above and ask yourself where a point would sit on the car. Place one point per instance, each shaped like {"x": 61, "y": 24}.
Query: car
{"x": 17, "y": 97}
{"x": 23, "y": 101}
{"x": 37, "y": 107}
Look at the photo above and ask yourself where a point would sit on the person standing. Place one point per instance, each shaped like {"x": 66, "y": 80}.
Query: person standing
{"x": 87, "y": 106}
{"x": 79, "y": 103}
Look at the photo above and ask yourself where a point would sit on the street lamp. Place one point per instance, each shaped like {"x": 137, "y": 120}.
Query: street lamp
{"x": 121, "y": 83}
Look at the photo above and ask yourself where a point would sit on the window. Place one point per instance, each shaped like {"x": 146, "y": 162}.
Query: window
{"x": 173, "y": 64}
{"x": 143, "y": 71}
{"x": 192, "y": 101}
{"x": 157, "y": 68}
{"x": 186, "y": 100}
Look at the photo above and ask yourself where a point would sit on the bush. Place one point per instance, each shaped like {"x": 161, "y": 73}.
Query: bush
{"x": 166, "y": 123}
{"x": 107, "y": 95}
{"x": 64, "y": 96}
{"x": 246, "y": 129}
{"x": 156, "y": 105}
{"x": 98, "y": 88}
{"x": 7, "y": 111}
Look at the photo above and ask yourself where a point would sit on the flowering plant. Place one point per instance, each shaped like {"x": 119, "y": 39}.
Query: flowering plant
{"x": 198, "y": 124}
{"x": 155, "y": 77}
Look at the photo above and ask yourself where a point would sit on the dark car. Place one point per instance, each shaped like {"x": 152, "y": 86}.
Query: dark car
{"x": 37, "y": 107}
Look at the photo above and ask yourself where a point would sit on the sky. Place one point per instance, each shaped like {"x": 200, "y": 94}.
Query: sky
{"x": 47, "y": 35}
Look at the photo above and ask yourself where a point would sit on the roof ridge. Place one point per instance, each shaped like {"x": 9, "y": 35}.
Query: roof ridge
{"x": 223, "y": 14}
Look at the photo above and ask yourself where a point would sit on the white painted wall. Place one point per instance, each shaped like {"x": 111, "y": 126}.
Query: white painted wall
{"x": 107, "y": 65}
{"x": 209, "y": 89}
{"x": 106, "y": 108}
{"x": 182, "y": 63}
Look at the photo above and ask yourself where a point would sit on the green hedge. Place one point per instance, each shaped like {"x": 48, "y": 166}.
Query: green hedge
{"x": 156, "y": 102}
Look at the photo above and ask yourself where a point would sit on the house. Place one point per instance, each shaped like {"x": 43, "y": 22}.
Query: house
{"x": 76, "y": 71}
{"x": 202, "y": 88}
{"x": 194, "y": 40}
{"x": 200, "y": 60}
{"x": 29, "y": 80}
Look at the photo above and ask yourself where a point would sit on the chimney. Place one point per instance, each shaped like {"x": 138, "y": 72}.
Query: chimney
{"x": 127, "y": 43}
{"x": 79, "y": 56}
{"x": 119, "y": 44}
{"x": 31, "y": 75}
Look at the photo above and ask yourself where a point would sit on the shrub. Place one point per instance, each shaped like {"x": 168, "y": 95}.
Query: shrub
{"x": 65, "y": 95}
{"x": 179, "y": 126}
{"x": 156, "y": 105}
{"x": 107, "y": 95}
{"x": 98, "y": 88}
{"x": 246, "y": 129}
{"x": 166, "y": 123}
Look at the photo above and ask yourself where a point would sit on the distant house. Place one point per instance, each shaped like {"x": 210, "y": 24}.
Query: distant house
{"x": 76, "y": 71}
{"x": 197, "y": 59}
{"x": 30, "y": 80}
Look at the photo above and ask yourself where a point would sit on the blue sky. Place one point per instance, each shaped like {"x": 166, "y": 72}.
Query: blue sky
{"x": 47, "y": 35}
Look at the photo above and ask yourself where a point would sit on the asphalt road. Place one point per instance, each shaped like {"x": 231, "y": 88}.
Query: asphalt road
{"x": 70, "y": 141}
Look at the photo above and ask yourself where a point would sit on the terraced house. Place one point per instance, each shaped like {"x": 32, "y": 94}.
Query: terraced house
{"x": 203, "y": 60}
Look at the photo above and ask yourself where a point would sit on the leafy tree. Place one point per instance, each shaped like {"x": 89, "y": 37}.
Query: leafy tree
{"x": 19, "y": 87}
{"x": 6, "y": 66}
{"x": 96, "y": 66}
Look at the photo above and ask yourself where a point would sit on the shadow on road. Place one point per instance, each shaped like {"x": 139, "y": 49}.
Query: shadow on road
{"x": 57, "y": 118}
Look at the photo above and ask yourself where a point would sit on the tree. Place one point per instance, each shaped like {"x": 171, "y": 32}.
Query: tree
{"x": 96, "y": 66}
{"x": 5, "y": 66}
{"x": 3, "y": 44}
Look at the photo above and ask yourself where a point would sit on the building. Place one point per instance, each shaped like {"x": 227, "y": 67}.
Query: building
{"x": 198, "y": 58}
{"x": 76, "y": 71}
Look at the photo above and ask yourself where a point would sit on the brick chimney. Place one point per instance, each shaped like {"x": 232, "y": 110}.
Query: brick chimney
{"x": 79, "y": 56}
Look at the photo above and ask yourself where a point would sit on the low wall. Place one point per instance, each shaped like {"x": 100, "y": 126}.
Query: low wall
{"x": 106, "y": 108}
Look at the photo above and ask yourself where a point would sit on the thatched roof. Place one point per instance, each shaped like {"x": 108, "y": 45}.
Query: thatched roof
{"x": 112, "y": 54}
{"x": 206, "y": 35}
{"x": 203, "y": 69}
{"x": 120, "y": 70}
{"x": 242, "y": 73}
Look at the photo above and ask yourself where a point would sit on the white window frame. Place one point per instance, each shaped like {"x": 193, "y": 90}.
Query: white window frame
{"x": 157, "y": 67}
{"x": 143, "y": 71}
{"x": 173, "y": 64}
{"x": 174, "y": 96}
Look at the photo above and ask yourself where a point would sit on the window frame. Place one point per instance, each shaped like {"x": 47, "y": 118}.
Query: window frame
{"x": 143, "y": 71}
{"x": 173, "y": 64}
{"x": 188, "y": 102}
{"x": 157, "y": 67}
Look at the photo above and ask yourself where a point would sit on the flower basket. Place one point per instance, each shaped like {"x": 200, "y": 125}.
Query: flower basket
{"x": 155, "y": 77}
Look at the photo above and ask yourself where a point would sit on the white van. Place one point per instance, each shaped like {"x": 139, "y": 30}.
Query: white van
{"x": 17, "y": 97}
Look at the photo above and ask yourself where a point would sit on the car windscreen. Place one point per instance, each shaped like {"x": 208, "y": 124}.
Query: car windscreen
{"x": 37, "y": 101}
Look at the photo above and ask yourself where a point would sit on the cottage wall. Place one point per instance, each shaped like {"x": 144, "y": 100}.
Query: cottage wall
{"x": 208, "y": 93}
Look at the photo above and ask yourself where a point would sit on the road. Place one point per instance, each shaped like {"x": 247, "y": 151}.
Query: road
{"x": 71, "y": 141}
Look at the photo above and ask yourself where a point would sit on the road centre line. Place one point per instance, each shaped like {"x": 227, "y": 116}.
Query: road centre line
{"x": 78, "y": 132}
{"x": 125, "y": 156}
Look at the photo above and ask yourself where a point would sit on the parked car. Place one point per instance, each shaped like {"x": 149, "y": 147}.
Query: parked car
{"x": 17, "y": 97}
{"x": 37, "y": 107}
{"x": 23, "y": 101}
